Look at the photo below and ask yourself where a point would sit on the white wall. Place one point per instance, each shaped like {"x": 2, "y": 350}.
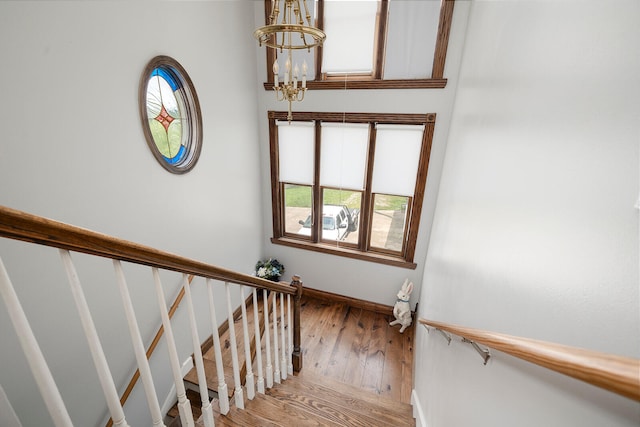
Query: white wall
{"x": 535, "y": 232}
{"x": 356, "y": 278}
{"x": 72, "y": 149}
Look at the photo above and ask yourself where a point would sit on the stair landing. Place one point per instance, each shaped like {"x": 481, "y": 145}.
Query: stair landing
{"x": 356, "y": 372}
{"x": 309, "y": 400}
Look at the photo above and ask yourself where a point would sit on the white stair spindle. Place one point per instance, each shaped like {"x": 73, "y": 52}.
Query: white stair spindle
{"x": 283, "y": 360}
{"x": 276, "y": 372}
{"x": 138, "y": 347}
{"x": 239, "y": 394}
{"x": 249, "y": 380}
{"x": 33, "y": 354}
{"x": 184, "y": 406}
{"x": 258, "y": 341}
{"x": 223, "y": 392}
{"x": 267, "y": 339}
{"x": 99, "y": 359}
{"x": 290, "y": 330}
{"x": 207, "y": 410}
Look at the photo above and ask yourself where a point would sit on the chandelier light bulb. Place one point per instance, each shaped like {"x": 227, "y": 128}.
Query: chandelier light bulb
{"x": 276, "y": 69}
{"x": 296, "y": 70}
{"x": 287, "y": 72}
{"x": 289, "y": 28}
{"x": 304, "y": 74}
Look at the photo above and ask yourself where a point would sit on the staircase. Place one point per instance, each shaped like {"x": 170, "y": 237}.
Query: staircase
{"x": 303, "y": 399}
{"x": 311, "y": 400}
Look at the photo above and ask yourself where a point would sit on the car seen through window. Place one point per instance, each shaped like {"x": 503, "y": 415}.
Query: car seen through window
{"x": 337, "y": 222}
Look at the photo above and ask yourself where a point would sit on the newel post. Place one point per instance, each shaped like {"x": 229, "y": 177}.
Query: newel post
{"x": 297, "y": 354}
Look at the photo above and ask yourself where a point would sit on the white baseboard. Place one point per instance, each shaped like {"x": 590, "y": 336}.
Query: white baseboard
{"x": 169, "y": 401}
{"x": 8, "y": 416}
{"x": 187, "y": 366}
{"x": 418, "y": 414}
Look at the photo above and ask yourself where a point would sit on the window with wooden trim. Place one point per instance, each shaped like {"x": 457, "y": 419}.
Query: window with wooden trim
{"x": 350, "y": 184}
{"x": 375, "y": 44}
{"x": 170, "y": 114}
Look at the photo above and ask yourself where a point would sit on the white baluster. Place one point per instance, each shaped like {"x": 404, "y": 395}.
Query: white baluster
{"x": 290, "y": 330}
{"x": 99, "y": 359}
{"x": 276, "y": 372}
{"x": 249, "y": 381}
{"x": 223, "y": 392}
{"x": 138, "y": 347}
{"x": 184, "y": 406}
{"x": 258, "y": 341}
{"x": 239, "y": 394}
{"x": 207, "y": 410}
{"x": 33, "y": 354}
{"x": 283, "y": 360}
{"x": 267, "y": 338}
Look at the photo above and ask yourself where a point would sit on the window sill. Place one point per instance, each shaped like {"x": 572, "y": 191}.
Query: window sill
{"x": 371, "y": 84}
{"x": 345, "y": 252}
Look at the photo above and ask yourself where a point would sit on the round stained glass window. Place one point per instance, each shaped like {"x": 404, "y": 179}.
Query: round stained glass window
{"x": 170, "y": 113}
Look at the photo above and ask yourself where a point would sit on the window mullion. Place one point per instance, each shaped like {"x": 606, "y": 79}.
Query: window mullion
{"x": 317, "y": 191}
{"x": 377, "y": 210}
{"x": 380, "y": 42}
{"x": 282, "y": 210}
{"x": 421, "y": 183}
{"x": 319, "y": 49}
{"x": 367, "y": 199}
{"x": 442, "y": 41}
{"x": 277, "y": 192}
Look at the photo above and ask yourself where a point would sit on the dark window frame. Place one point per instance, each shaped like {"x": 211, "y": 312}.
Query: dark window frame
{"x": 437, "y": 80}
{"x": 192, "y": 115}
{"x": 362, "y": 251}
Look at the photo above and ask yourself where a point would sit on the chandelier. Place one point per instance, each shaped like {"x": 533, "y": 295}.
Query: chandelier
{"x": 293, "y": 31}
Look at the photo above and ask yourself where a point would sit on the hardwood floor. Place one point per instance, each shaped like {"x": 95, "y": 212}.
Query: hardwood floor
{"x": 357, "y": 371}
{"x": 358, "y": 347}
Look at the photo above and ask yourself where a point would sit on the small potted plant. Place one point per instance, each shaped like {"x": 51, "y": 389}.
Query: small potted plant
{"x": 270, "y": 269}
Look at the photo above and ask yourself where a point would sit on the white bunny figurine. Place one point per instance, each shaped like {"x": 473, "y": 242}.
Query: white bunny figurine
{"x": 402, "y": 310}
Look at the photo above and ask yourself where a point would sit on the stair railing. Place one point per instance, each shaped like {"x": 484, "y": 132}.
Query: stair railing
{"x": 617, "y": 374}
{"x": 22, "y": 226}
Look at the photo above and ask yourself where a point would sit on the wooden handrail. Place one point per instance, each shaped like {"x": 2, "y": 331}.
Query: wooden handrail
{"x": 618, "y": 374}
{"x": 18, "y": 225}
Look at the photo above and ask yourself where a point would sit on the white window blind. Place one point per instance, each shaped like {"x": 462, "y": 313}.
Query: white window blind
{"x": 296, "y": 152}
{"x": 396, "y": 160}
{"x": 411, "y": 39}
{"x": 350, "y": 28}
{"x": 344, "y": 155}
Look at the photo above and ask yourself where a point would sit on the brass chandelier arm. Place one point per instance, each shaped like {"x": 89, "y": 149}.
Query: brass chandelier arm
{"x": 263, "y": 35}
{"x": 293, "y": 32}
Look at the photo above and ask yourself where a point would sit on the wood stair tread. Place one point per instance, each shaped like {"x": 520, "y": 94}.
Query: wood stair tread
{"x": 194, "y": 400}
{"x": 264, "y": 410}
{"x": 212, "y": 377}
{"x": 208, "y": 356}
{"x": 308, "y": 398}
{"x": 328, "y": 385}
{"x": 342, "y": 405}
{"x": 300, "y": 401}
